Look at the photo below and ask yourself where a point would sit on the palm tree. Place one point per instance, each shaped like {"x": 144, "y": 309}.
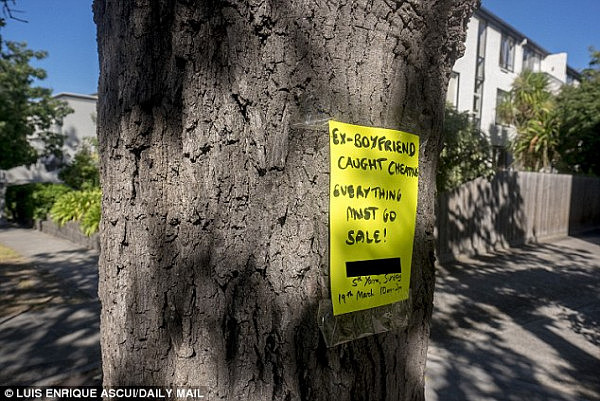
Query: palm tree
{"x": 530, "y": 108}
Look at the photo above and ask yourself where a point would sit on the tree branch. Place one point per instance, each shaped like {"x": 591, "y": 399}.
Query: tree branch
{"x": 8, "y": 11}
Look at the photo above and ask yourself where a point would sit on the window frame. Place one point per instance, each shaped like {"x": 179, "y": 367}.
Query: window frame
{"x": 530, "y": 54}
{"x": 501, "y": 95}
{"x": 507, "y": 52}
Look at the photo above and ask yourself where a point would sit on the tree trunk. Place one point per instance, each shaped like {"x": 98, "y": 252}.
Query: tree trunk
{"x": 215, "y": 214}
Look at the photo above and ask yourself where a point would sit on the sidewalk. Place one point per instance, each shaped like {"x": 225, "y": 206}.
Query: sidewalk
{"x": 58, "y": 343}
{"x": 519, "y": 325}
{"x": 69, "y": 261}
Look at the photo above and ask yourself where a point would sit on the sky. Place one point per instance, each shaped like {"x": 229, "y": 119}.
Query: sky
{"x": 65, "y": 29}
{"x": 570, "y": 26}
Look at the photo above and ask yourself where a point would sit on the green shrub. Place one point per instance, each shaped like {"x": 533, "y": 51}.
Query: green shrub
{"x": 91, "y": 219}
{"x": 466, "y": 154}
{"x": 82, "y": 206}
{"x": 29, "y": 202}
{"x": 44, "y": 197}
{"x": 82, "y": 172}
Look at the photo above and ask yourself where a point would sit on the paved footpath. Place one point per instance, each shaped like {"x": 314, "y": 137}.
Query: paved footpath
{"x": 519, "y": 325}
{"x": 59, "y": 343}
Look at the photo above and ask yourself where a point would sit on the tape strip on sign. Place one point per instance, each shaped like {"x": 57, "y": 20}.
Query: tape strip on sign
{"x": 372, "y": 211}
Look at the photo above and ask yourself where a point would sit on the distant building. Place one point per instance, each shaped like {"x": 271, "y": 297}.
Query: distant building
{"x": 80, "y": 124}
{"x": 496, "y": 53}
{"x": 76, "y": 127}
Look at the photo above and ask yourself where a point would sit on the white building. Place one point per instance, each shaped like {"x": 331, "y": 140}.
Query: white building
{"x": 76, "y": 127}
{"x": 496, "y": 53}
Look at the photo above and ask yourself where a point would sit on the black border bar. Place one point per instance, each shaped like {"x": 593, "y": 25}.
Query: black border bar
{"x": 373, "y": 267}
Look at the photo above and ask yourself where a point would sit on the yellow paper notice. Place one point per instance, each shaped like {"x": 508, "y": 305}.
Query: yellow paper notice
{"x": 372, "y": 211}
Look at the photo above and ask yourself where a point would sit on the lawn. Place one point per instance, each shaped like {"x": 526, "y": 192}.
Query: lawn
{"x": 24, "y": 287}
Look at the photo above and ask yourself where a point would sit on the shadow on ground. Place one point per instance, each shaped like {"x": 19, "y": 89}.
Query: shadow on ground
{"x": 49, "y": 320}
{"x": 524, "y": 324}
{"x": 76, "y": 272}
{"x": 48, "y": 347}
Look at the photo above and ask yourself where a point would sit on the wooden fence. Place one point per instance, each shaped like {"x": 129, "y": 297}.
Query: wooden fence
{"x": 514, "y": 208}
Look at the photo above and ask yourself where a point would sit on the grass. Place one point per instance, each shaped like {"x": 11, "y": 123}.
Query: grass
{"x": 24, "y": 287}
{"x": 7, "y": 255}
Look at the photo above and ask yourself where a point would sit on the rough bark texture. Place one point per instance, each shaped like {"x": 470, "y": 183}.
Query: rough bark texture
{"x": 215, "y": 221}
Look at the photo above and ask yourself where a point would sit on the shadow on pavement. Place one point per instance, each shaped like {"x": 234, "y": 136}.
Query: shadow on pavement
{"x": 78, "y": 268}
{"x": 518, "y": 325}
{"x": 47, "y": 347}
{"x": 49, "y": 313}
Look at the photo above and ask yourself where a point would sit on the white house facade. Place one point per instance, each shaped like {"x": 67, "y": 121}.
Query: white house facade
{"x": 77, "y": 126}
{"x": 496, "y": 53}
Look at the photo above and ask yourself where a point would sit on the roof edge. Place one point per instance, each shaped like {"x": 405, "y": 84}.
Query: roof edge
{"x": 77, "y": 95}
{"x": 505, "y": 26}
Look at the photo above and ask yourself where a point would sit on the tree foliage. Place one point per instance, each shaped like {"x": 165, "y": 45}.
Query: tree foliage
{"x": 82, "y": 171}
{"x": 29, "y": 202}
{"x": 530, "y": 107}
{"x": 44, "y": 196}
{"x": 466, "y": 154}
{"x": 27, "y": 111}
{"x": 579, "y": 113}
{"x": 79, "y": 200}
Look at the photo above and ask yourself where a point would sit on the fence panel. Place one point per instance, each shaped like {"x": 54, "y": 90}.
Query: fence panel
{"x": 585, "y": 204}
{"x": 514, "y": 208}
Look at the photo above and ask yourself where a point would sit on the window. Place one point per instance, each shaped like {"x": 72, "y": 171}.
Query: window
{"x": 531, "y": 60}
{"x": 479, "y": 73}
{"x": 507, "y": 53}
{"x": 481, "y": 37}
{"x": 477, "y": 110}
{"x": 476, "y": 104}
{"x": 452, "y": 94}
{"x": 480, "y": 69}
{"x": 501, "y": 97}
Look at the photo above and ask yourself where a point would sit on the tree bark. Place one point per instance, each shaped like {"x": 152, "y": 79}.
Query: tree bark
{"x": 215, "y": 214}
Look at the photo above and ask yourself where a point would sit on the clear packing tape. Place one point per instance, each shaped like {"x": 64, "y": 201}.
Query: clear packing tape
{"x": 316, "y": 121}
{"x": 352, "y": 326}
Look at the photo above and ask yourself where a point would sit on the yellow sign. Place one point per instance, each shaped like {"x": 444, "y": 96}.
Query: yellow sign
{"x": 372, "y": 211}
